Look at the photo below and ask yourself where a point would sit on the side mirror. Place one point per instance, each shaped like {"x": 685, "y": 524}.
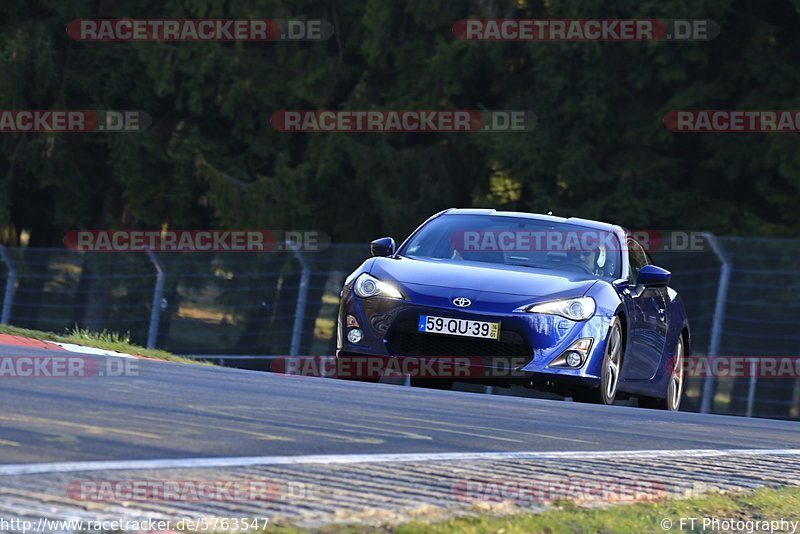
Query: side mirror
{"x": 382, "y": 247}
{"x": 652, "y": 276}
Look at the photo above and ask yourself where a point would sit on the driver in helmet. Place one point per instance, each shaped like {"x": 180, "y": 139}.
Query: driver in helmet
{"x": 591, "y": 258}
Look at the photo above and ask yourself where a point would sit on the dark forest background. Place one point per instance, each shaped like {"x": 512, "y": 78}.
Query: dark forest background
{"x": 212, "y": 160}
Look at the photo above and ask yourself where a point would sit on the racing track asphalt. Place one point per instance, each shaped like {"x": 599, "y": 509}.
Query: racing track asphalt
{"x": 167, "y": 410}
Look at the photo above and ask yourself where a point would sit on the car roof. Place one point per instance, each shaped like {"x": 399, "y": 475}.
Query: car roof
{"x": 586, "y": 223}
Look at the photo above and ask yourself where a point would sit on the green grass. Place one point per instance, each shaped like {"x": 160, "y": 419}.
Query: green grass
{"x": 101, "y": 340}
{"x": 766, "y": 504}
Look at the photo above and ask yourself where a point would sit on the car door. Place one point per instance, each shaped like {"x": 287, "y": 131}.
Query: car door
{"x": 648, "y": 319}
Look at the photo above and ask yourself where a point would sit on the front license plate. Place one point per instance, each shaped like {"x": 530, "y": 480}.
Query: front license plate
{"x": 431, "y": 324}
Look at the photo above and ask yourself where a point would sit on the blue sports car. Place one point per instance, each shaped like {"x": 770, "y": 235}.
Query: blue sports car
{"x": 505, "y": 298}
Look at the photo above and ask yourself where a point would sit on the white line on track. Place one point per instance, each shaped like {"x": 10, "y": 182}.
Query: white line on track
{"x": 244, "y": 461}
{"x": 71, "y": 347}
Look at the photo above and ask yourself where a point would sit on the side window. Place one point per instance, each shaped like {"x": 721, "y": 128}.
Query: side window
{"x": 637, "y": 259}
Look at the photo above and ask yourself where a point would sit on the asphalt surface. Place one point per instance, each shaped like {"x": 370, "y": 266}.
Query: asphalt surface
{"x": 169, "y": 410}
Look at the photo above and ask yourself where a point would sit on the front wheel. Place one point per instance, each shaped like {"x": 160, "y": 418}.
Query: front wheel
{"x": 672, "y": 399}
{"x": 609, "y": 376}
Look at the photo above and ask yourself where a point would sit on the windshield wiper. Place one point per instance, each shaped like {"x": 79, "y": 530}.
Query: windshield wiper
{"x": 531, "y": 265}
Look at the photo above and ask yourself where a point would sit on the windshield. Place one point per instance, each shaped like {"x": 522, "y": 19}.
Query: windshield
{"x": 505, "y": 240}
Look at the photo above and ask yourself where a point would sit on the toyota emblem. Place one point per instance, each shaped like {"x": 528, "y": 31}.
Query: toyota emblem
{"x": 462, "y": 302}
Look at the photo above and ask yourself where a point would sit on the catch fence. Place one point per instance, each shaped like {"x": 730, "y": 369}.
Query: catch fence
{"x": 740, "y": 295}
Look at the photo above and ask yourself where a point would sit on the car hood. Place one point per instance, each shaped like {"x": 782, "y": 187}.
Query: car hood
{"x": 494, "y": 278}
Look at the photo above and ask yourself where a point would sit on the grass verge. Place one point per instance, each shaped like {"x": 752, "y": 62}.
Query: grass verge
{"x": 766, "y": 504}
{"x": 100, "y": 340}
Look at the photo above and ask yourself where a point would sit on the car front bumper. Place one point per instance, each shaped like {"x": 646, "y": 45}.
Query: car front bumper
{"x": 525, "y": 353}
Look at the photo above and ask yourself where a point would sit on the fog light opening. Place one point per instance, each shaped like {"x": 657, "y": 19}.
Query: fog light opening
{"x": 355, "y": 335}
{"x": 574, "y": 359}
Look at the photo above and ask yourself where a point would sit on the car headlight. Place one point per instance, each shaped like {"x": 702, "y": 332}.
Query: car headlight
{"x": 368, "y": 286}
{"x": 578, "y": 309}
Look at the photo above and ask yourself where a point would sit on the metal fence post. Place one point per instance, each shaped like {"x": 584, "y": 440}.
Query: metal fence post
{"x": 8, "y": 297}
{"x": 300, "y": 308}
{"x": 718, "y": 319}
{"x": 158, "y": 295}
{"x": 751, "y": 388}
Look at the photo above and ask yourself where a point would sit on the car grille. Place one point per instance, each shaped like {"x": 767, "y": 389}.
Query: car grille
{"x": 404, "y": 340}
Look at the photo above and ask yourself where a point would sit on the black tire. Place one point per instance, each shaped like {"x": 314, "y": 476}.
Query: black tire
{"x": 432, "y": 383}
{"x": 672, "y": 398}
{"x": 609, "y": 377}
